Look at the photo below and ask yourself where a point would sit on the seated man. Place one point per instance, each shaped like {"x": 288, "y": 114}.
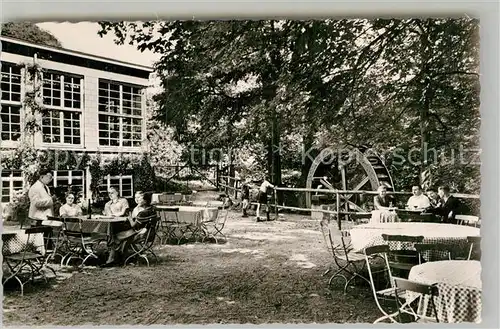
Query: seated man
{"x": 418, "y": 201}
{"x": 448, "y": 205}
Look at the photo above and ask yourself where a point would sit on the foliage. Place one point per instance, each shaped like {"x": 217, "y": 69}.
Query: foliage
{"x": 398, "y": 84}
{"x": 28, "y": 31}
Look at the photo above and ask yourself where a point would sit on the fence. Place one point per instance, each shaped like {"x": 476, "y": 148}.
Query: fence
{"x": 233, "y": 184}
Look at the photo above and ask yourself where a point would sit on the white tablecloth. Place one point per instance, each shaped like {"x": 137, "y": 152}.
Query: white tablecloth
{"x": 367, "y": 235}
{"x": 459, "y": 286}
{"x": 186, "y": 214}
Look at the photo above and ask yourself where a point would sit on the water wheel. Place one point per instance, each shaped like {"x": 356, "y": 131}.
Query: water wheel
{"x": 352, "y": 168}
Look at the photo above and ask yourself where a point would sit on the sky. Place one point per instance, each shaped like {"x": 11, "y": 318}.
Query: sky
{"x": 83, "y": 37}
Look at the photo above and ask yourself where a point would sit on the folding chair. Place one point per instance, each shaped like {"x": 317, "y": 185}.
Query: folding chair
{"x": 55, "y": 240}
{"x": 424, "y": 291}
{"x": 166, "y": 231}
{"x": 402, "y": 254}
{"x": 80, "y": 244}
{"x": 213, "y": 228}
{"x": 143, "y": 241}
{"x": 429, "y": 252}
{"x": 31, "y": 260}
{"x": 475, "y": 247}
{"x": 388, "y": 291}
{"x": 467, "y": 220}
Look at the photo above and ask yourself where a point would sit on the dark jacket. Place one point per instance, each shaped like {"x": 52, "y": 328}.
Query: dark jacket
{"x": 451, "y": 205}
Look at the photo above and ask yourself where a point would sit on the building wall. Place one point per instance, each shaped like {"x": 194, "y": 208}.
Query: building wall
{"x": 89, "y": 122}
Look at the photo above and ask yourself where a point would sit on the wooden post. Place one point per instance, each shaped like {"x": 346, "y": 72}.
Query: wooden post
{"x": 217, "y": 177}
{"x": 275, "y": 203}
{"x": 337, "y": 196}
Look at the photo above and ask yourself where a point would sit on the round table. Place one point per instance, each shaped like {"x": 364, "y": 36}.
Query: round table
{"x": 367, "y": 235}
{"x": 459, "y": 286}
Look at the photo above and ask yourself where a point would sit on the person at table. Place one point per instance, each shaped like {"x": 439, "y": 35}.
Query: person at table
{"x": 41, "y": 200}
{"x": 418, "y": 201}
{"x": 448, "y": 205}
{"x": 433, "y": 196}
{"x": 70, "y": 208}
{"x": 116, "y": 206}
{"x": 383, "y": 212}
{"x": 125, "y": 232}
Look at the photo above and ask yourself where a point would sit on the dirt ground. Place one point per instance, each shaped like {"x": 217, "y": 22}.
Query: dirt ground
{"x": 268, "y": 272}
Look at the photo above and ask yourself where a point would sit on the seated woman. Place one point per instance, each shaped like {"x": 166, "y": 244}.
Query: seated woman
{"x": 383, "y": 212}
{"x": 116, "y": 206}
{"x": 70, "y": 209}
{"x": 133, "y": 227}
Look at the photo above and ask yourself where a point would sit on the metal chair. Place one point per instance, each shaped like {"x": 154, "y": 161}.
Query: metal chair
{"x": 214, "y": 228}
{"x": 475, "y": 247}
{"x": 388, "y": 291}
{"x": 433, "y": 252}
{"x": 143, "y": 241}
{"x": 402, "y": 254}
{"x": 31, "y": 260}
{"x": 80, "y": 244}
{"x": 424, "y": 290}
{"x": 345, "y": 258}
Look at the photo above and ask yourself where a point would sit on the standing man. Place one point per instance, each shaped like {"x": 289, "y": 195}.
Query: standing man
{"x": 448, "y": 205}
{"x": 263, "y": 191}
{"x": 41, "y": 202}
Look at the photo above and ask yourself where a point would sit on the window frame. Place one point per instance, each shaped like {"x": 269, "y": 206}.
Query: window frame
{"x": 122, "y": 117}
{"x": 62, "y": 109}
{"x": 11, "y": 179}
{"x": 107, "y": 183}
{"x": 13, "y": 104}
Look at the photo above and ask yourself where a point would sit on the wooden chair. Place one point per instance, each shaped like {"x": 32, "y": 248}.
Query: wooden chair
{"x": 467, "y": 220}
{"x": 433, "y": 252}
{"x": 403, "y": 285}
{"x": 143, "y": 241}
{"x": 80, "y": 244}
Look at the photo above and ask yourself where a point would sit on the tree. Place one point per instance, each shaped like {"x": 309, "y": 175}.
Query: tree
{"x": 29, "y": 32}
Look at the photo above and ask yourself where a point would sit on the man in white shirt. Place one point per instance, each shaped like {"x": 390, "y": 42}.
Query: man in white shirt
{"x": 263, "y": 199}
{"x": 418, "y": 201}
{"x": 41, "y": 202}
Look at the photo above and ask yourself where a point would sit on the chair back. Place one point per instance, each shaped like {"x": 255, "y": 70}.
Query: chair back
{"x": 402, "y": 255}
{"x": 467, "y": 220}
{"x": 475, "y": 247}
{"x": 433, "y": 252}
{"x": 420, "y": 288}
{"x": 380, "y": 274}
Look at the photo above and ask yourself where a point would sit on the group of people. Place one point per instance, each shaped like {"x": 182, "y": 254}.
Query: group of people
{"x": 42, "y": 207}
{"x": 264, "y": 190}
{"x": 438, "y": 202}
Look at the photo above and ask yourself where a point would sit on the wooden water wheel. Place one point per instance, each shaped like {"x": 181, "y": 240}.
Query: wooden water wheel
{"x": 353, "y": 169}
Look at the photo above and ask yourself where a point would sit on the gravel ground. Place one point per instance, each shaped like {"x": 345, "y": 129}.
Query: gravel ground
{"x": 267, "y": 272}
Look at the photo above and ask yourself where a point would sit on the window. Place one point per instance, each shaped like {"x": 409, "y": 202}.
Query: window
{"x": 62, "y": 93}
{"x": 73, "y": 178}
{"x": 11, "y": 83}
{"x": 12, "y": 181}
{"x": 124, "y": 184}
{"x": 120, "y": 114}
{"x": 10, "y": 119}
{"x": 10, "y": 113}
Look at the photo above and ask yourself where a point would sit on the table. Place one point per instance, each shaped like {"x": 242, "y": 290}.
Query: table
{"x": 190, "y": 214}
{"x": 97, "y": 224}
{"x": 459, "y": 285}
{"x": 367, "y": 235}
{"x": 408, "y": 215}
{"x": 14, "y": 239}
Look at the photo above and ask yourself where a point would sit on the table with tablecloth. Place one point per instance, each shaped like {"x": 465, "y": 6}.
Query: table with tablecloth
{"x": 14, "y": 240}
{"x": 459, "y": 288}
{"x": 367, "y": 235}
{"x": 96, "y": 224}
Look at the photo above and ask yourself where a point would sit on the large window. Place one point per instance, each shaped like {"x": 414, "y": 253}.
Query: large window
{"x": 73, "y": 178}
{"x": 62, "y": 93}
{"x": 10, "y": 113}
{"x": 12, "y": 181}
{"x": 123, "y": 183}
{"x": 120, "y": 114}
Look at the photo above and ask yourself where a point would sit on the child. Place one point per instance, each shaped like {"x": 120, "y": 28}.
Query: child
{"x": 245, "y": 198}
{"x": 263, "y": 198}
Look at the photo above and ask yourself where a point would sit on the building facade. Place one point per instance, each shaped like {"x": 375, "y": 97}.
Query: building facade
{"x": 92, "y": 105}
